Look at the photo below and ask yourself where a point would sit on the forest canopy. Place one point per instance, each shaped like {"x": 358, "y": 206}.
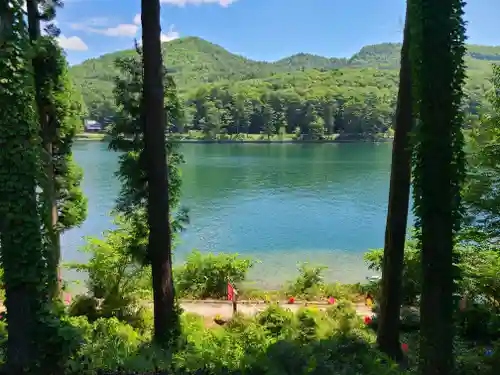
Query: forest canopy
{"x": 224, "y": 93}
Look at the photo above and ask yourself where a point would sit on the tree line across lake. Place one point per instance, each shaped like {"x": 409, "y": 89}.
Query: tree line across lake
{"x": 225, "y": 94}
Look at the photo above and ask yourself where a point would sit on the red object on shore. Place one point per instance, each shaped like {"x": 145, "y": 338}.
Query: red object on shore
{"x": 230, "y": 292}
{"x": 331, "y": 301}
{"x": 291, "y": 300}
{"x": 404, "y": 347}
{"x": 368, "y": 320}
{"x": 67, "y": 298}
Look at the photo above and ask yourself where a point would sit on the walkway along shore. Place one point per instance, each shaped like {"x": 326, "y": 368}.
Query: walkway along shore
{"x": 224, "y": 309}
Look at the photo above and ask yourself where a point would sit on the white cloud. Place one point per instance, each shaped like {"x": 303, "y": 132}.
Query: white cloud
{"x": 97, "y": 21}
{"x": 181, "y": 3}
{"x": 124, "y": 29}
{"x": 170, "y": 35}
{"x": 137, "y": 19}
{"x": 73, "y": 43}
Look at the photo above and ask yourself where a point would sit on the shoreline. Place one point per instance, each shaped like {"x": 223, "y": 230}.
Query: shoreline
{"x": 103, "y": 138}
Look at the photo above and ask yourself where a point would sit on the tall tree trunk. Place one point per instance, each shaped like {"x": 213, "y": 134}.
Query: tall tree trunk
{"x": 159, "y": 246}
{"x": 397, "y": 213}
{"x": 437, "y": 58}
{"x": 20, "y": 237}
{"x": 48, "y": 135}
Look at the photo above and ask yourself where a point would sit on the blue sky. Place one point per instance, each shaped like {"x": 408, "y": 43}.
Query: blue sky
{"x": 258, "y": 29}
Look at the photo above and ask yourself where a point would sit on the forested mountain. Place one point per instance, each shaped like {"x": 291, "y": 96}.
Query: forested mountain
{"x": 363, "y": 88}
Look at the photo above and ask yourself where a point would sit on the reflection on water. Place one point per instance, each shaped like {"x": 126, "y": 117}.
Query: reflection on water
{"x": 281, "y": 204}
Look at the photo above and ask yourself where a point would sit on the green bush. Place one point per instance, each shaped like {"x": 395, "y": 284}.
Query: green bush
{"x": 309, "y": 283}
{"x": 84, "y": 305}
{"x": 206, "y": 275}
{"x": 274, "y": 342}
{"x": 344, "y": 316}
{"x": 411, "y": 272}
{"x": 307, "y": 324}
{"x": 108, "y": 345}
{"x": 117, "y": 284}
{"x": 276, "y": 320}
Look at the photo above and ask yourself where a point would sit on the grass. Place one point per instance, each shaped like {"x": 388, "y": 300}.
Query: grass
{"x": 197, "y": 135}
{"x": 91, "y": 137}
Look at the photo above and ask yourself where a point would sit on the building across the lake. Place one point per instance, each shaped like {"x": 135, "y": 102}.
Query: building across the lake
{"x": 92, "y": 126}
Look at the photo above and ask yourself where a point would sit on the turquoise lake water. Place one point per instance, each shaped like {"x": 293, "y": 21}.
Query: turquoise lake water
{"x": 280, "y": 203}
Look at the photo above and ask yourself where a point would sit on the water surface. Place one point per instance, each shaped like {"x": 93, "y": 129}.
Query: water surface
{"x": 278, "y": 203}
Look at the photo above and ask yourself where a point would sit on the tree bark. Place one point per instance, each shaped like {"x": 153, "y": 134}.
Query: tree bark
{"x": 437, "y": 58}
{"x": 47, "y": 135}
{"x": 20, "y": 237}
{"x": 397, "y": 213}
{"x": 153, "y": 117}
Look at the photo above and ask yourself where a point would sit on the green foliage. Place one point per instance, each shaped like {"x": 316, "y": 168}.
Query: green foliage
{"x": 412, "y": 285}
{"x": 309, "y": 282}
{"x": 479, "y": 284}
{"x": 206, "y": 275}
{"x": 116, "y": 282}
{"x": 107, "y": 344}
{"x": 307, "y": 325}
{"x": 276, "y": 320}
{"x": 20, "y": 235}
{"x": 243, "y": 346}
{"x": 480, "y": 194}
{"x": 236, "y": 90}
{"x": 127, "y": 136}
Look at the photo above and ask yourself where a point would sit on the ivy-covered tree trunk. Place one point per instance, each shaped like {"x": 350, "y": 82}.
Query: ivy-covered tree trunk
{"x": 397, "y": 213}
{"x": 20, "y": 235}
{"x": 153, "y": 115}
{"x": 48, "y": 134}
{"x": 437, "y": 58}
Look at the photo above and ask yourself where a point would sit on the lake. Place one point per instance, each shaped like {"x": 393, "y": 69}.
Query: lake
{"x": 278, "y": 203}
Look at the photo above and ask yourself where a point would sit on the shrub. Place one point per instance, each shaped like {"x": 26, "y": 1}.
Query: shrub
{"x": 479, "y": 322}
{"x": 84, "y": 305}
{"x": 108, "y": 345}
{"x": 276, "y": 320}
{"x": 342, "y": 291}
{"x": 206, "y": 275}
{"x": 116, "y": 281}
{"x": 307, "y": 324}
{"x": 411, "y": 272}
{"x": 309, "y": 282}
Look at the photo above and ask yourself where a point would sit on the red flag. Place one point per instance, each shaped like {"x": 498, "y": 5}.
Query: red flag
{"x": 67, "y": 298}
{"x": 230, "y": 292}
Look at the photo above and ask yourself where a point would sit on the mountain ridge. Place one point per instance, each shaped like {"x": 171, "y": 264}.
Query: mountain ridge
{"x": 195, "y": 61}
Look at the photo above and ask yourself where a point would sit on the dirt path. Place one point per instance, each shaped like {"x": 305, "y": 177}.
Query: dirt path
{"x": 210, "y": 309}
{"x": 225, "y": 309}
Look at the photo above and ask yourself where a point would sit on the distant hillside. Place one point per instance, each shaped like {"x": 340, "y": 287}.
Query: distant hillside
{"x": 195, "y": 61}
{"x": 386, "y": 56}
{"x": 308, "y": 61}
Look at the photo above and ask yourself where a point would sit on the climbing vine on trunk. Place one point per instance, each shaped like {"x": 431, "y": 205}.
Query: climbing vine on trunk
{"x": 20, "y": 236}
{"x": 63, "y": 203}
{"x": 437, "y": 57}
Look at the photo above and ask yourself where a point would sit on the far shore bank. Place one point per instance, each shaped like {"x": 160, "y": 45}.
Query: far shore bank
{"x": 347, "y": 139}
